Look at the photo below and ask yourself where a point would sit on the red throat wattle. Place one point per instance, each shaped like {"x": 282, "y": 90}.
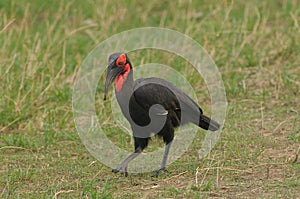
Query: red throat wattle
{"x": 120, "y": 80}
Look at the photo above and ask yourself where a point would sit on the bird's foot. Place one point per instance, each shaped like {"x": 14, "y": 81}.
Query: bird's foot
{"x": 121, "y": 168}
{"x": 160, "y": 171}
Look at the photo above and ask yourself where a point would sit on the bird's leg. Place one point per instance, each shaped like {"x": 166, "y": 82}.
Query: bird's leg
{"x": 164, "y": 162}
{"x": 123, "y": 166}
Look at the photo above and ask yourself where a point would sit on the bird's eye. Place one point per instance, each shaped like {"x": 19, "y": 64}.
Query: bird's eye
{"x": 121, "y": 60}
{"x": 120, "y": 63}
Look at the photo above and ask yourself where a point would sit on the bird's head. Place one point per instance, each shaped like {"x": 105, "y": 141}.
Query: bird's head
{"x": 118, "y": 69}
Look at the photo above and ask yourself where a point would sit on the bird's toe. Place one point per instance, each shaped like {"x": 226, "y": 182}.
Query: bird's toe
{"x": 122, "y": 169}
{"x": 160, "y": 171}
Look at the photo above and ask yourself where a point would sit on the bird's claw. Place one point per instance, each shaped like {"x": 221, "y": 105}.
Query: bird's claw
{"x": 159, "y": 171}
{"x": 122, "y": 169}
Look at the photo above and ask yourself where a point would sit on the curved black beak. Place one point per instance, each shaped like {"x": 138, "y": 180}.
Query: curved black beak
{"x": 113, "y": 72}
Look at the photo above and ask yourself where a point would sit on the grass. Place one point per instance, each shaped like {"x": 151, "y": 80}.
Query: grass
{"x": 255, "y": 45}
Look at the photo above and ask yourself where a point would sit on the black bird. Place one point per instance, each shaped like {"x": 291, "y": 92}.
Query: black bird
{"x": 151, "y": 105}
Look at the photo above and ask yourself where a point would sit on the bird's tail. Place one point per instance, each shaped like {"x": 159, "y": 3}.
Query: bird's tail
{"x": 208, "y": 124}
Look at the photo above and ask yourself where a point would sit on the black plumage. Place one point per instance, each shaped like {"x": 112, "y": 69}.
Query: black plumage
{"x": 148, "y": 102}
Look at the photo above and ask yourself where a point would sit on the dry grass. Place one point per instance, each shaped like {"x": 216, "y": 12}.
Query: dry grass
{"x": 256, "y": 46}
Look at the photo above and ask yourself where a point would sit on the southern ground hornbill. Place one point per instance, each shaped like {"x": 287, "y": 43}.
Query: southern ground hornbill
{"x": 151, "y": 105}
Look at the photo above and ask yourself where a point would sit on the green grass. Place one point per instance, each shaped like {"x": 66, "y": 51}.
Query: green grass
{"x": 256, "y": 46}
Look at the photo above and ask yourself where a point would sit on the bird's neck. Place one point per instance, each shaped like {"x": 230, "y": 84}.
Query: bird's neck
{"x": 124, "y": 79}
{"x": 124, "y": 94}
{"x": 124, "y": 83}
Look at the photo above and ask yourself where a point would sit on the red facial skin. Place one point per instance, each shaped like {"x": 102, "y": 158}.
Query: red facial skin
{"x": 119, "y": 81}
